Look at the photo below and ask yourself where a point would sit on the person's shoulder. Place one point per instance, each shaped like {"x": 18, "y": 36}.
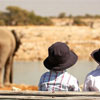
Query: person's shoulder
{"x": 71, "y": 76}
{"x": 92, "y": 73}
{"x": 74, "y": 78}
{"x": 44, "y": 74}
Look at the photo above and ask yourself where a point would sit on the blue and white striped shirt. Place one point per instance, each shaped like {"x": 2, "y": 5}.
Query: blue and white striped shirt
{"x": 58, "y": 81}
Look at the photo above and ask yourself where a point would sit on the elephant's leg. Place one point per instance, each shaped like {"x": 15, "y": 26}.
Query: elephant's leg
{"x": 11, "y": 73}
{"x": 1, "y": 77}
{"x": 7, "y": 71}
{"x": 4, "y": 52}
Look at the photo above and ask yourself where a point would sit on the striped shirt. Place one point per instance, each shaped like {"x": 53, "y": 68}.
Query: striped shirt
{"x": 58, "y": 81}
{"x": 92, "y": 81}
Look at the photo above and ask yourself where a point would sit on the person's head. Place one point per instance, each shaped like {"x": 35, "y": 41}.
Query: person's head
{"x": 60, "y": 57}
{"x": 96, "y": 55}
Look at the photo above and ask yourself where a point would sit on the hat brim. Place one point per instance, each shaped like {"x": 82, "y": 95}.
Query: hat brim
{"x": 68, "y": 63}
{"x": 95, "y": 56}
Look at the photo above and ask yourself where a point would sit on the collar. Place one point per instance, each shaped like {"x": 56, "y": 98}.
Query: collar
{"x": 58, "y": 71}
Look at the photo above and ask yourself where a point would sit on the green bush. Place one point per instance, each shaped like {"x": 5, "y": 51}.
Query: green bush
{"x": 78, "y": 22}
{"x": 62, "y": 15}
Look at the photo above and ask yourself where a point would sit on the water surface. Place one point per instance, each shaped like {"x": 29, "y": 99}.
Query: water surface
{"x": 29, "y": 72}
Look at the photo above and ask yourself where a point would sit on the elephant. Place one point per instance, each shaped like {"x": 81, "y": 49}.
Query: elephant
{"x": 9, "y": 44}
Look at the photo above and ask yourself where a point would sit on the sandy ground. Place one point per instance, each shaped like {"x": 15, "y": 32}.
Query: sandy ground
{"x": 36, "y": 40}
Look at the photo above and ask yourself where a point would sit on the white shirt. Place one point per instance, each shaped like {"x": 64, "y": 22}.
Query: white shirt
{"x": 58, "y": 81}
{"x": 92, "y": 81}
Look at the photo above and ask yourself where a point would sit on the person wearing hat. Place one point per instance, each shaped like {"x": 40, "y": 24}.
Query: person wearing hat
{"x": 92, "y": 81}
{"x": 58, "y": 79}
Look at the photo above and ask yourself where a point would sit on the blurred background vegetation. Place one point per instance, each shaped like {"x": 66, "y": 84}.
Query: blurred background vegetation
{"x": 18, "y": 16}
{"x": 15, "y": 16}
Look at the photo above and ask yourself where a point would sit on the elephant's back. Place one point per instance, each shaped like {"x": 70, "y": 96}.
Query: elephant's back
{"x": 5, "y": 34}
{"x": 7, "y": 38}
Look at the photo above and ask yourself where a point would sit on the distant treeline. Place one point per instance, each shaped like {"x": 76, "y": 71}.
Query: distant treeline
{"x": 63, "y": 15}
{"x": 18, "y": 16}
{"x": 80, "y": 20}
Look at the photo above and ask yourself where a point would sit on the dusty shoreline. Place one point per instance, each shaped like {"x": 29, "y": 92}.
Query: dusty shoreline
{"x": 81, "y": 39}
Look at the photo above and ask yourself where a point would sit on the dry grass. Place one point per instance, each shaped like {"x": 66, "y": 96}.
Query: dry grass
{"x": 19, "y": 87}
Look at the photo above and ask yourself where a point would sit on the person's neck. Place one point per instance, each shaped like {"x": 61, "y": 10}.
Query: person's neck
{"x": 58, "y": 71}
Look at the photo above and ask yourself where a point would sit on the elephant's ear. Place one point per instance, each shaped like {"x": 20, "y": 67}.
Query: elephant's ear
{"x": 17, "y": 39}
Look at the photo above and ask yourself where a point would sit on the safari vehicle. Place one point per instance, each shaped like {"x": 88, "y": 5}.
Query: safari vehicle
{"x": 44, "y": 95}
